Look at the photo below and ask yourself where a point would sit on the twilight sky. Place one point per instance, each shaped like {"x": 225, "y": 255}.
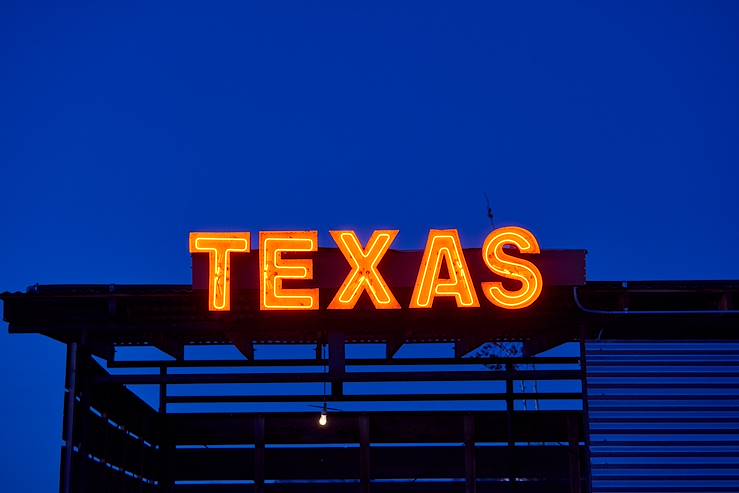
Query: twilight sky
{"x": 613, "y": 128}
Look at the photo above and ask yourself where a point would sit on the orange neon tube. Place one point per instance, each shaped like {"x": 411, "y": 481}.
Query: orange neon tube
{"x": 364, "y": 275}
{"x": 219, "y": 247}
{"x": 443, "y": 245}
{"x": 510, "y": 267}
{"x": 275, "y": 269}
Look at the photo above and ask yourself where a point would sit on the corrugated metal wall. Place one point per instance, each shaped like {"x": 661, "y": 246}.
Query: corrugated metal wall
{"x": 664, "y": 416}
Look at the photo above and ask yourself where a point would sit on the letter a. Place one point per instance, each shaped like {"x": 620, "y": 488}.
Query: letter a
{"x": 443, "y": 245}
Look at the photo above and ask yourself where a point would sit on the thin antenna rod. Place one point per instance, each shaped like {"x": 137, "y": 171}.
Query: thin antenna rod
{"x": 489, "y": 210}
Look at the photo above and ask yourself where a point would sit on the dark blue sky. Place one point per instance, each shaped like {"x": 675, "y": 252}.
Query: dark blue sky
{"x": 123, "y": 127}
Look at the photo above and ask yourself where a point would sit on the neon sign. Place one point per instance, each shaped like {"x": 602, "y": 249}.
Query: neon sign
{"x": 364, "y": 276}
{"x": 505, "y": 265}
{"x": 275, "y": 269}
{"x": 443, "y": 272}
{"x": 219, "y": 247}
{"x": 443, "y": 245}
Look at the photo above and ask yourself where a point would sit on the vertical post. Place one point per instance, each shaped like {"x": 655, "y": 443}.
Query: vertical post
{"x": 69, "y": 417}
{"x": 259, "y": 454}
{"x": 82, "y": 411}
{"x": 142, "y": 456}
{"x": 585, "y": 404}
{"x": 336, "y": 366}
{"x": 509, "y": 399}
{"x": 166, "y": 449}
{"x": 364, "y": 454}
{"x": 470, "y": 470}
{"x": 573, "y": 439}
{"x": 163, "y": 390}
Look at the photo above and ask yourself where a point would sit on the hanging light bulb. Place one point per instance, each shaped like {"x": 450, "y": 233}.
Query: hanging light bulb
{"x": 323, "y": 420}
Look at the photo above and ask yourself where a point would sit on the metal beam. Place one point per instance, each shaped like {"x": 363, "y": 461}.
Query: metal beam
{"x": 170, "y": 345}
{"x": 338, "y": 376}
{"x": 349, "y": 362}
{"x": 259, "y": 465}
{"x": 336, "y": 363}
{"x": 69, "y": 416}
{"x": 470, "y": 468}
{"x": 364, "y": 454}
{"x": 369, "y": 398}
